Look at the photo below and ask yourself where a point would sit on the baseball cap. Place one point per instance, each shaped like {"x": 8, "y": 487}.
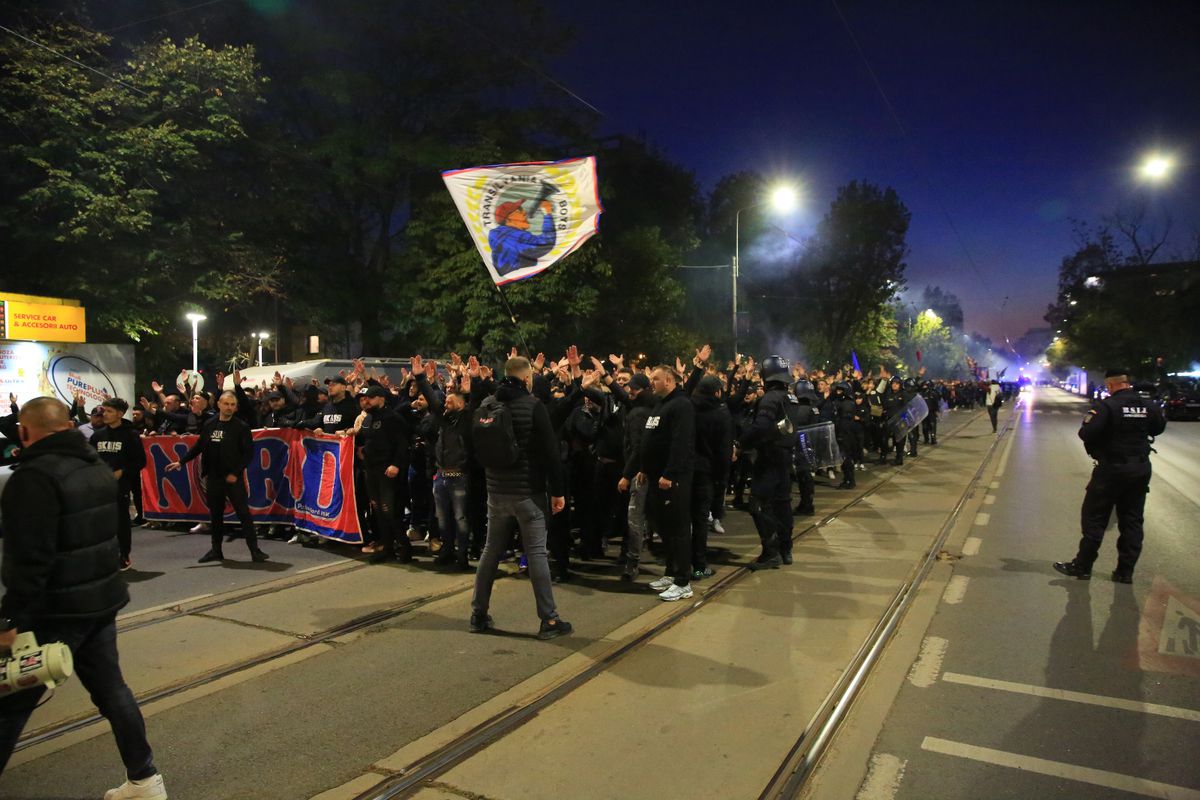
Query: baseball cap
{"x": 375, "y": 391}
{"x": 337, "y": 379}
{"x": 639, "y": 381}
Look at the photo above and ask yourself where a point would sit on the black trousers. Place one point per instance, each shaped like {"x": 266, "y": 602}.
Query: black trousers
{"x": 1119, "y": 486}
{"x": 993, "y": 413}
{"x": 135, "y": 490}
{"x": 218, "y": 491}
{"x": 804, "y": 482}
{"x": 702, "y": 502}
{"x": 93, "y": 645}
{"x": 124, "y": 526}
{"x": 770, "y": 507}
{"x": 671, "y": 512}
{"x": 602, "y": 519}
{"x": 929, "y": 426}
{"x": 387, "y": 503}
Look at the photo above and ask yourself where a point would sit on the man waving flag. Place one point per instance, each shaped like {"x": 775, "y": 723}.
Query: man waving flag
{"x": 525, "y": 217}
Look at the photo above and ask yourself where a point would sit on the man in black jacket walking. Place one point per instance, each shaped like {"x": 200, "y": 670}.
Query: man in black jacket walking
{"x": 120, "y": 447}
{"x": 225, "y": 448}
{"x": 60, "y": 574}
{"x": 667, "y": 461}
{"x": 385, "y": 447}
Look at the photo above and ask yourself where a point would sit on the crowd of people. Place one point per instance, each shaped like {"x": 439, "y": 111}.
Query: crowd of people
{"x": 421, "y": 479}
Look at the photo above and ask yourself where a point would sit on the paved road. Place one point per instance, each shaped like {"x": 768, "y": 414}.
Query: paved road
{"x": 1030, "y": 685}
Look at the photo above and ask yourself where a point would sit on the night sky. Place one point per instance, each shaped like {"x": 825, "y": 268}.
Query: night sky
{"x": 1016, "y": 118}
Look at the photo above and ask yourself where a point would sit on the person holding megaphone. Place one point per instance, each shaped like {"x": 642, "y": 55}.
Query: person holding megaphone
{"x": 62, "y": 583}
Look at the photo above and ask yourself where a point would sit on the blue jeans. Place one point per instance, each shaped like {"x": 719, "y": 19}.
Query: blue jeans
{"x": 504, "y": 514}
{"x": 93, "y": 645}
{"x": 450, "y": 500}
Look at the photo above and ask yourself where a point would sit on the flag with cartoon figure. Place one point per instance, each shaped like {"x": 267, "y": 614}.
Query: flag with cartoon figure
{"x": 525, "y": 217}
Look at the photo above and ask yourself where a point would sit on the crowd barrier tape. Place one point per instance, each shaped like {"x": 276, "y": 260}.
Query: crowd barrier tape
{"x": 295, "y": 478}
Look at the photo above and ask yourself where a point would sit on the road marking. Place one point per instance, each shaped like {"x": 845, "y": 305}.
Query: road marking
{"x": 989, "y": 499}
{"x": 1074, "y": 697}
{"x": 971, "y": 546}
{"x": 994, "y": 485}
{"x": 982, "y": 518}
{"x": 1180, "y": 631}
{"x": 321, "y": 566}
{"x": 925, "y": 669}
{"x": 1004, "y": 456}
{"x": 883, "y": 778}
{"x": 1057, "y": 769}
{"x": 171, "y": 604}
{"x": 956, "y": 589}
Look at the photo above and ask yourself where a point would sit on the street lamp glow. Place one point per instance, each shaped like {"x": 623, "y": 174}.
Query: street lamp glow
{"x": 261, "y": 336}
{"x": 194, "y": 317}
{"x": 1156, "y": 167}
{"x": 931, "y": 315}
{"x": 783, "y": 199}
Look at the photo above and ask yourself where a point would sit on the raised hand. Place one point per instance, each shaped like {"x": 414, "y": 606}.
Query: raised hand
{"x": 617, "y": 361}
{"x": 456, "y": 359}
{"x": 590, "y": 378}
{"x": 291, "y": 384}
{"x": 155, "y": 385}
{"x": 702, "y": 355}
{"x": 596, "y": 365}
{"x": 418, "y": 365}
{"x": 430, "y": 370}
{"x": 485, "y": 373}
{"x": 679, "y": 365}
{"x": 539, "y": 362}
{"x": 473, "y": 368}
{"x": 573, "y": 357}
{"x": 237, "y": 377}
{"x": 513, "y": 353}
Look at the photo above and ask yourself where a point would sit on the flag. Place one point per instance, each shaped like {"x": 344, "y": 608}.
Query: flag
{"x": 525, "y": 217}
{"x": 918, "y": 356}
{"x": 854, "y": 361}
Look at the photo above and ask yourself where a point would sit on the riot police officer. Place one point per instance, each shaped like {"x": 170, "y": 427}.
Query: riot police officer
{"x": 806, "y": 414}
{"x": 771, "y": 433}
{"x": 1116, "y": 433}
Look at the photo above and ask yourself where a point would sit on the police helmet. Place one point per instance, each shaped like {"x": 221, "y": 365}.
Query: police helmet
{"x": 776, "y": 368}
{"x": 805, "y": 392}
{"x": 910, "y": 383}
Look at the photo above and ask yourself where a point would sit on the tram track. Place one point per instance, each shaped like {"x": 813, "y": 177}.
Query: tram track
{"x": 808, "y": 747}
{"x": 458, "y": 750}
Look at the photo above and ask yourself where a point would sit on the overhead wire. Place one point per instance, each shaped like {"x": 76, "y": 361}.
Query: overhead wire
{"x": 176, "y": 12}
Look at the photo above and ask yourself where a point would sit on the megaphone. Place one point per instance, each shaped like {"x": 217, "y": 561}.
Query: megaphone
{"x": 31, "y": 664}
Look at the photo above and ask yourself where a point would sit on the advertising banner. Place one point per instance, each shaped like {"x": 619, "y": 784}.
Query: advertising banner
{"x": 524, "y": 217}
{"x": 295, "y": 478}
{"x": 62, "y": 370}
{"x": 42, "y": 321}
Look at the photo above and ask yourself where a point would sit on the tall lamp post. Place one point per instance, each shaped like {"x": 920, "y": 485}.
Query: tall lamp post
{"x": 196, "y": 319}
{"x": 261, "y": 335}
{"x": 782, "y": 200}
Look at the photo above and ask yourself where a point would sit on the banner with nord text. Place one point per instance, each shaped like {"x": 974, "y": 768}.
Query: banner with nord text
{"x": 295, "y": 477}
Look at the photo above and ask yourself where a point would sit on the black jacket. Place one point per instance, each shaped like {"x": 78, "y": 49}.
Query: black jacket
{"x": 1117, "y": 429}
{"x": 762, "y": 434}
{"x": 714, "y": 436}
{"x": 635, "y": 425}
{"x": 225, "y": 448}
{"x": 338, "y": 416}
{"x": 385, "y": 436}
{"x": 121, "y": 449}
{"x": 538, "y": 469}
{"x": 668, "y": 447}
{"x": 61, "y": 559}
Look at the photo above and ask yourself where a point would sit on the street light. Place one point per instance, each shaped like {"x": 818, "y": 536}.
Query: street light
{"x": 196, "y": 320}
{"x": 782, "y": 200}
{"x": 1156, "y": 167}
{"x": 262, "y": 335}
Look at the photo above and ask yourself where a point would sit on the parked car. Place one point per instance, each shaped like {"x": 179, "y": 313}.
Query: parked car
{"x": 1180, "y": 399}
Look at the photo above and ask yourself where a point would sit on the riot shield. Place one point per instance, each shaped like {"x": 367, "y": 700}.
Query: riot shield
{"x": 817, "y": 447}
{"x": 900, "y": 424}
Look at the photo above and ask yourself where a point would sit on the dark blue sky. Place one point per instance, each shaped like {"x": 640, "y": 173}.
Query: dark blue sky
{"x": 1019, "y": 116}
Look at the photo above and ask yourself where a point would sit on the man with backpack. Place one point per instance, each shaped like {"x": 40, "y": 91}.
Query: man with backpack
{"x": 514, "y": 441}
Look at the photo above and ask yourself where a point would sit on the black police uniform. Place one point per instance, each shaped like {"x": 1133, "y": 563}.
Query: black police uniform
{"x": 1116, "y": 432}
{"x": 771, "y": 484}
{"x": 806, "y": 415}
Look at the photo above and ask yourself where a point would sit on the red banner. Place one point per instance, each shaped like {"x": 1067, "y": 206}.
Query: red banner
{"x": 295, "y": 477}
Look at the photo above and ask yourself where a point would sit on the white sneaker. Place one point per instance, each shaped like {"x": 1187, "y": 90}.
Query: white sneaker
{"x": 674, "y": 593}
{"x": 199, "y": 527}
{"x": 662, "y": 583}
{"x": 295, "y": 539}
{"x": 151, "y": 788}
{"x": 717, "y": 527}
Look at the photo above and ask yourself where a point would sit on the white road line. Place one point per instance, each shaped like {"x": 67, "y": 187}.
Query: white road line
{"x": 322, "y": 566}
{"x": 1074, "y": 697}
{"x": 171, "y": 604}
{"x": 1057, "y": 769}
{"x": 925, "y": 669}
{"x": 883, "y": 778}
{"x": 982, "y": 519}
{"x": 994, "y": 485}
{"x": 989, "y": 499}
{"x": 956, "y": 589}
{"x": 971, "y": 545}
{"x": 1004, "y": 456}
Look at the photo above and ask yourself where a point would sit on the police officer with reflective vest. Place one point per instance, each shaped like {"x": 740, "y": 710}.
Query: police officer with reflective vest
{"x": 771, "y": 433}
{"x": 1117, "y": 433}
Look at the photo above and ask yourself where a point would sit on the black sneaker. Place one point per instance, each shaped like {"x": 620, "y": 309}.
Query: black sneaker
{"x": 381, "y": 556}
{"x": 258, "y": 556}
{"x": 481, "y": 623}
{"x": 405, "y": 556}
{"x": 211, "y": 555}
{"x": 1073, "y": 570}
{"x": 1121, "y": 576}
{"x": 626, "y": 577}
{"x": 553, "y": 628}
{"x": 804, "y": 511}
{"x": 138, "y": 521}
{"x": 786, "y": 558}
{"x": 772, "y": 561}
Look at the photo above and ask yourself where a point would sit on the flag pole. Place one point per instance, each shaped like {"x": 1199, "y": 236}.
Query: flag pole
{"x": 512, "y": 315}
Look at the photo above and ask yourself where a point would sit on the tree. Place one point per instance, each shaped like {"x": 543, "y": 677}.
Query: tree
{"x": 851, "y": 269}
{"x": 942, "y": 355}
{"x": 945, "y": 305}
